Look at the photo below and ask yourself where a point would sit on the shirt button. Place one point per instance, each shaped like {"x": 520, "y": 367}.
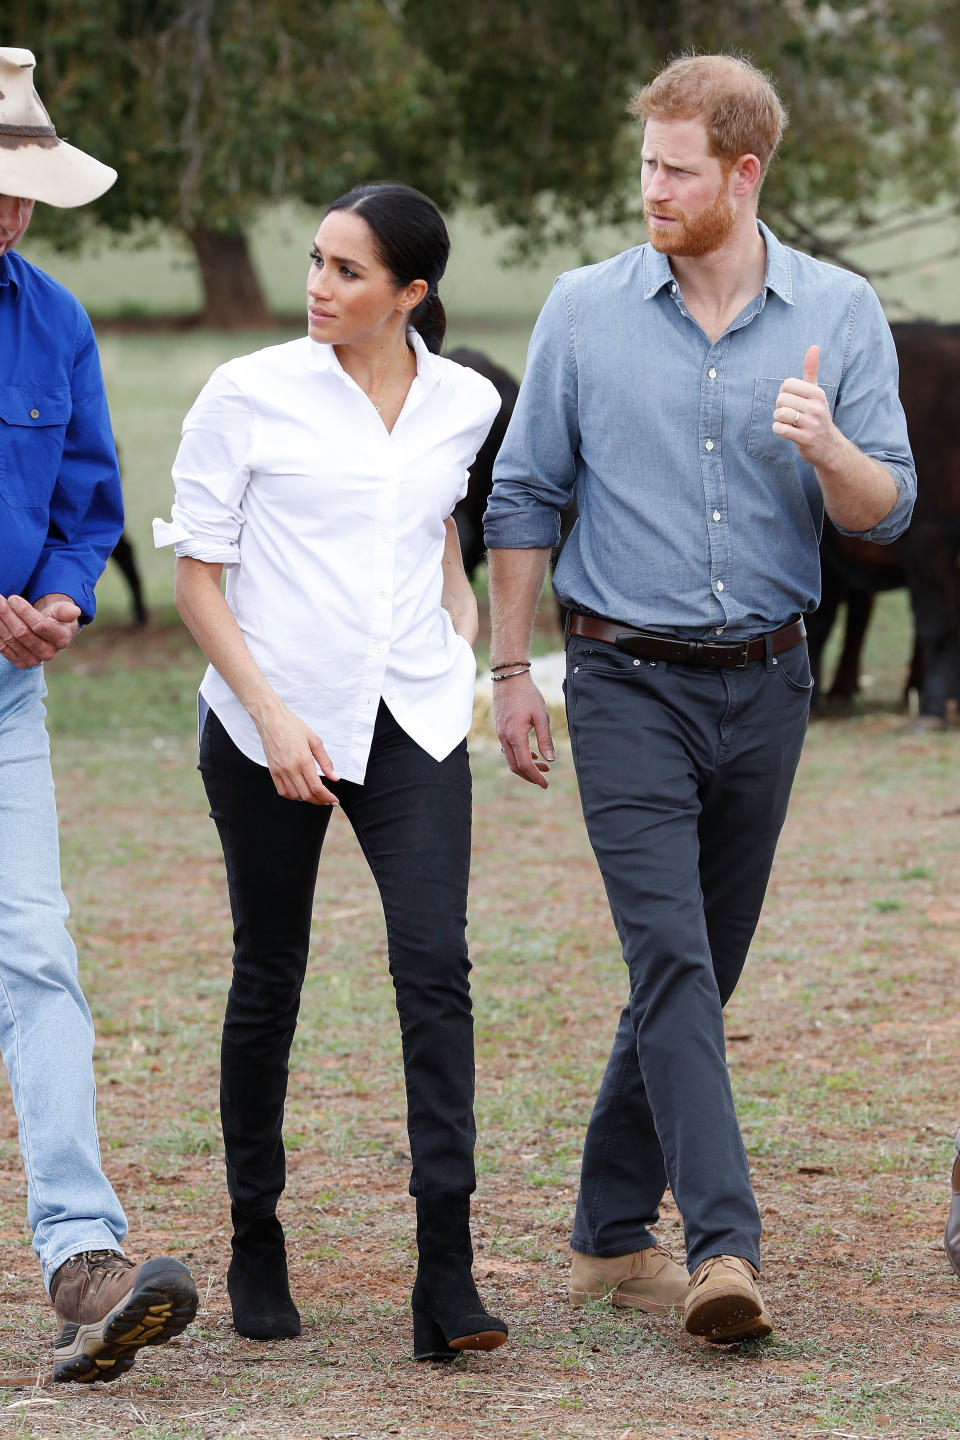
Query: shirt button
{"x": 379, "y": 649}
{"x": 709, "y": 445}
{"x": 673, "y": 289}
{"x": 719, "y": 630}
{"x": 719, "y": 584}
{"x": 34, "y": 414}
{"x": 716, "y": 514}
{"x": 711, "y": 373}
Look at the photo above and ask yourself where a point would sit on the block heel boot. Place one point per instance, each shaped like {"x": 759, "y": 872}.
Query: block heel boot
{"x": 257, "y": 1280}
{"x": 448, "y": 1314}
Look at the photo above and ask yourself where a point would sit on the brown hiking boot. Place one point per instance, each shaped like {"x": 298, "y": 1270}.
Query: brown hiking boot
{"x": 648, "y": 1280}
{"x": 108, "y": 1307}
{"x": 724, "y": 1304}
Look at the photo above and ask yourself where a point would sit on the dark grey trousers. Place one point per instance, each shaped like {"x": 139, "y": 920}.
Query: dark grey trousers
{"x": 684, "y": 775}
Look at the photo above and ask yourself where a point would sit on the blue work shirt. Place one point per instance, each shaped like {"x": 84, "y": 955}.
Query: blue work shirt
{"x": 61, "y": 511}
{"x": 694, "y": 517}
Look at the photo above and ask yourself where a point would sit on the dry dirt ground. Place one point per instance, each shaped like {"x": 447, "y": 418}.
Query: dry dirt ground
{"x": 843, "y": 1043}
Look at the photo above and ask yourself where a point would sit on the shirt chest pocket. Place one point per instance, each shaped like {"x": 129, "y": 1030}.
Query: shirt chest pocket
{"x": 33, "y": 425}
{"x": 762, "y": 443}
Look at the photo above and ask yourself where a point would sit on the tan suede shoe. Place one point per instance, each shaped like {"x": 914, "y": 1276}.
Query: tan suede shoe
{"x": 951, "y": 1240}
{"x": 648, "y": 1280}
{"x": 723, "y": 1302}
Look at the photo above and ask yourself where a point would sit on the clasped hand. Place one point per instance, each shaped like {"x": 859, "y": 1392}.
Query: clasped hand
{"x": 31, "y": 634}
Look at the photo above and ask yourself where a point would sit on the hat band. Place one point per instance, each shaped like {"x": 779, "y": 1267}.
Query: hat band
{"x": 29, "y": 132}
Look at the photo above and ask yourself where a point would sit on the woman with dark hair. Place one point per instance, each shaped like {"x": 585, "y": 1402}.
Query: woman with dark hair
{"x": 321, "y": 475}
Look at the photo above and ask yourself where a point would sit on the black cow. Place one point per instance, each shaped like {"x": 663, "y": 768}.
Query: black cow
{"x": 468, "y": 514}
{"x": 925, "y": 557}
{"x": 854, "y": 572}
{"x": 929, "y": 379}
{"x": 127, "y": 561}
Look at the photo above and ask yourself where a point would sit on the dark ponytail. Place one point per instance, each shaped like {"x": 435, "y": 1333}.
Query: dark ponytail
{"x": 411, "y": 240}
{"x": 430, "y": 321}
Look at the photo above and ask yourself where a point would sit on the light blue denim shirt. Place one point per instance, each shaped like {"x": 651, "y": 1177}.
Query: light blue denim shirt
{"x": 695, "y": 518}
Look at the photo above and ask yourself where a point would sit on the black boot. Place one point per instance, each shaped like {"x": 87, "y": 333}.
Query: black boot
{"x": 448, "y": 1314}
{"x": 257, "y": 1279}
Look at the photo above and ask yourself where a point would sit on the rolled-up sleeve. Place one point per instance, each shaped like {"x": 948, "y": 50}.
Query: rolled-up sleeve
{"x": 210, "y": 475}
{"x": 868, "y": 412}
{"x": 535, "y": 472}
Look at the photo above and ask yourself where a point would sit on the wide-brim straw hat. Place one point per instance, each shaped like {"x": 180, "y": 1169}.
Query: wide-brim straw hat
{"x": 35, "y": 164}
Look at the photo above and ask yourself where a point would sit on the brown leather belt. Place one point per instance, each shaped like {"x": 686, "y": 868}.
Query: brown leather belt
{"x": 649, "y": 646}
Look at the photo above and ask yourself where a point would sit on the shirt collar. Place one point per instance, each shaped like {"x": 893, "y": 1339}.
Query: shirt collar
{"x": 7, "y": 277}
{"x": 778, "y": 277}
{"x": 429, "y": 368}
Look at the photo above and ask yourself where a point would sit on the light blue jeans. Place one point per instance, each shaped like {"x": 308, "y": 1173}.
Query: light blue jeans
{"x": 46, "y": 1033}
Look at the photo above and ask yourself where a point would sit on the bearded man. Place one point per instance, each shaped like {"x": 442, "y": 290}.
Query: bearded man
{"x": 708, "y": 394}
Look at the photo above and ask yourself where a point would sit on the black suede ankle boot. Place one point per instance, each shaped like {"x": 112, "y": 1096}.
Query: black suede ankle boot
{"x": 448, "y": 1314}
{"x": 257, "y": 1279}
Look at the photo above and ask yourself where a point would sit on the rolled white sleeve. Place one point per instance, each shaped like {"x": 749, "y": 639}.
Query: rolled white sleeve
{"x": 211, "y": 473}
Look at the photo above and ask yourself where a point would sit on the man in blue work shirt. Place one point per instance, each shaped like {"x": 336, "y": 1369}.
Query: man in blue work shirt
{"x": 708, "y": 394}
{"x": 60, "y": 516}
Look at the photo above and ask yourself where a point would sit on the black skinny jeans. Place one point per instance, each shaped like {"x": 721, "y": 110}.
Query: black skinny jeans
{"x": 412, "y": 818}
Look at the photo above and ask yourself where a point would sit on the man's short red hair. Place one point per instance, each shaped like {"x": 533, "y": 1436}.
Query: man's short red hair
{"x": 737, "y": 102}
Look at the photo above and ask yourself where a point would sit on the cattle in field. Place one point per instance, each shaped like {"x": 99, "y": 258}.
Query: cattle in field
{"x": 124, "y": 557}
{"x": 925, "y": 558}
{"x": 929, "y": 380}
{"x": 853, "y": 572}
{"x": 468, "y": 514}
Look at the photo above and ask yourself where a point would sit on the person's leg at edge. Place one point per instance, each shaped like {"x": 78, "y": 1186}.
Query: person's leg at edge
{"x": 412, "y": 818}
{"x": 271, "y": 849}
{"x": 46, "y": 1038}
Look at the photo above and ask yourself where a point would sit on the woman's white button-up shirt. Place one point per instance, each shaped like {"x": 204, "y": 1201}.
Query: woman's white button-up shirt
{"x": 331, "y": 531}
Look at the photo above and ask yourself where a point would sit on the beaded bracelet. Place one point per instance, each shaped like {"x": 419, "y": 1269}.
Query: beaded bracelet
{"x": 512, "y": 665}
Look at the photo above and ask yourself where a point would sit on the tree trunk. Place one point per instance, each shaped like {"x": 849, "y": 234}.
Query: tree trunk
{"x": 232, "y": 297}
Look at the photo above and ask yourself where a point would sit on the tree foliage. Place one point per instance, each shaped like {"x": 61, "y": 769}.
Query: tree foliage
{"x": 211, "y": 109}
{"x": 538, "y": 92}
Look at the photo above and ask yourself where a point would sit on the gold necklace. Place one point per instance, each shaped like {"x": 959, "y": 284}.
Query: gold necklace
{"x": 377, "y": 403}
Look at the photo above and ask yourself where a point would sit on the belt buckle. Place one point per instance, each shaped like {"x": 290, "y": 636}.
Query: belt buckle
{"x": 744, "y": 660}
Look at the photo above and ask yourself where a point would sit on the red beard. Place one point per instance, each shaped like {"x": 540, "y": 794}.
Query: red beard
{"x": 693, "y": 235}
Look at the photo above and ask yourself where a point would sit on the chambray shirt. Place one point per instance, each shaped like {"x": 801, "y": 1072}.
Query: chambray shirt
{"x": 694, "y": 517}
{"x": 61, "y": 511}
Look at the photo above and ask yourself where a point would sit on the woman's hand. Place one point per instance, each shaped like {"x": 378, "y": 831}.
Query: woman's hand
{"x": 293, "y": 753}
{"x": 458, "y": 598}
{"x": 292, "y": 750}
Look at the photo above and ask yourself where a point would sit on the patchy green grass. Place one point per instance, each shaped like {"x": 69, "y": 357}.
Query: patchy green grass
{"x": 842, "y": 1040}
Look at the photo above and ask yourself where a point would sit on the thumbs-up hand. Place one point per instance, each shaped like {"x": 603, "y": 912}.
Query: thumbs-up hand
{"x": 802, "y": 413}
